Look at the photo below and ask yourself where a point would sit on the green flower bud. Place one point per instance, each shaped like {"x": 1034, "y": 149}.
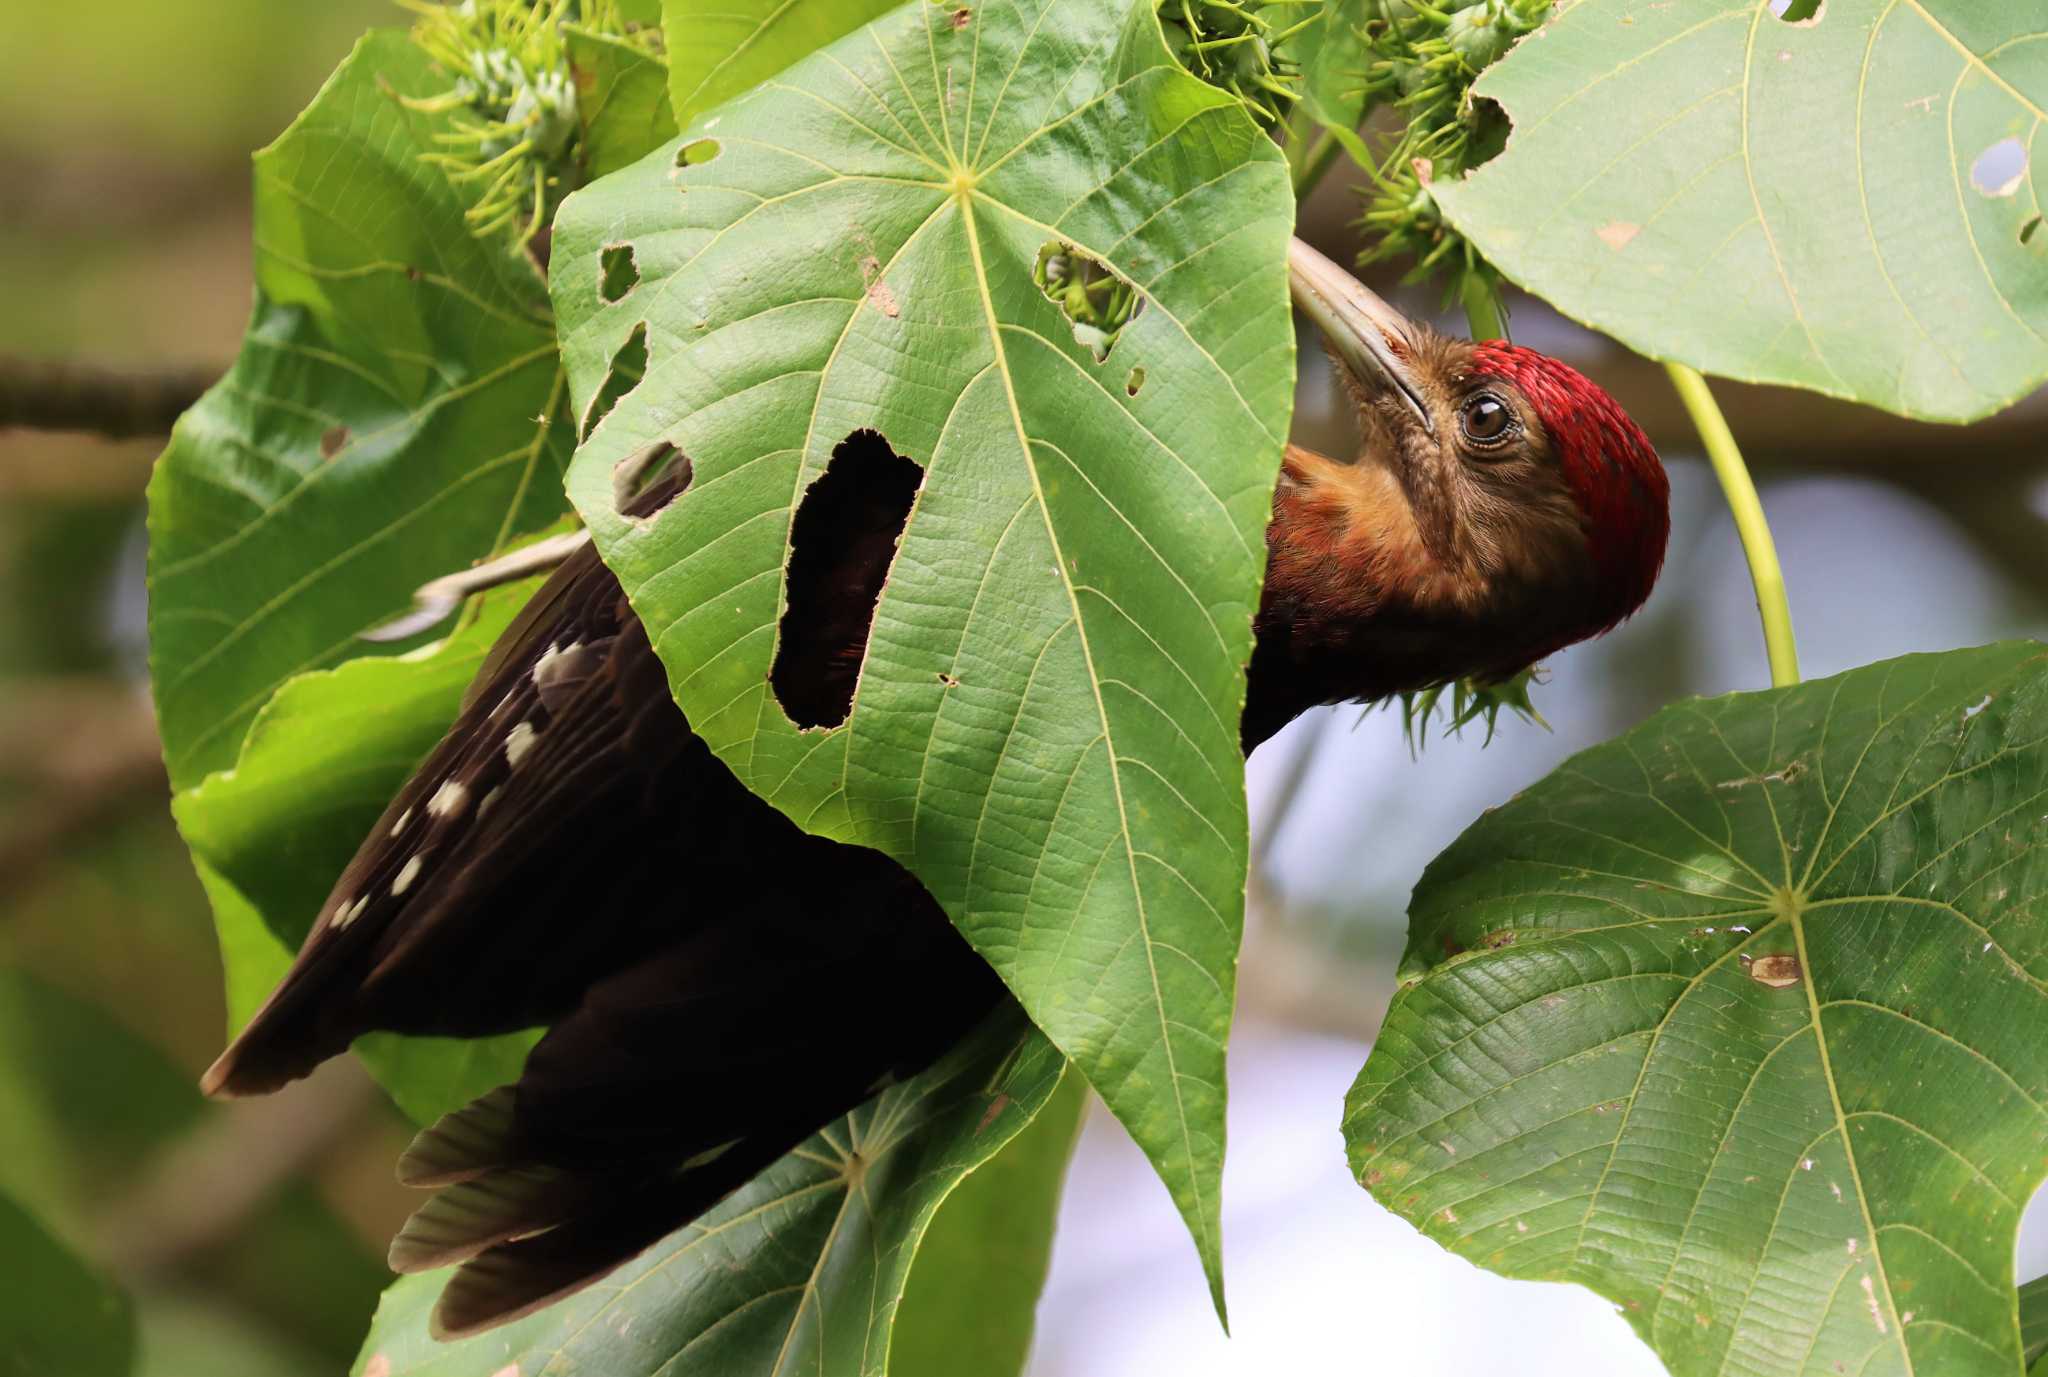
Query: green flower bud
{"x": 1479, "y": 36}
{"x": 1424, "y": 56}
{"x": 514, "y": 141}
{"x": 1237, "y": 46}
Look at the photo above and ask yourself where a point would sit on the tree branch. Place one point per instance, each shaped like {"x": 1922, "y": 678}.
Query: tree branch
{"x": 40, "y": 395}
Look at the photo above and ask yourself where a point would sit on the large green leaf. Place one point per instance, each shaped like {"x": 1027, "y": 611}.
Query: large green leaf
{"x": 799, "y": 1272}
{"x": 56, "y": 1314}
{"x": 718, "y": 49}
{"x": 1046, "y": 722}
{"x": 983, "y": 1262}
{"x": 1740, "y": 1020}
{"x": 396, "y": 412}
{"x": 1786, "y": 202}
{"x": 272, "y": 834}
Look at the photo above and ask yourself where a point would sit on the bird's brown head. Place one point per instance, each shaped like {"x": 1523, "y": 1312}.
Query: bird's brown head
{"x": 1502, "y": 506}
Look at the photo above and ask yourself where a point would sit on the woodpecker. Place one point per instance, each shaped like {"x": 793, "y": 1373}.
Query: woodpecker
{"x": 718, "y": 984}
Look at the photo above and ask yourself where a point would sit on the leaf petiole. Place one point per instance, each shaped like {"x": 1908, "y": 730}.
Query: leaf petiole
{"x": 1748, "y": 511}
{"x": 1315, "y": 161}
{"x": 1485, "y": 315}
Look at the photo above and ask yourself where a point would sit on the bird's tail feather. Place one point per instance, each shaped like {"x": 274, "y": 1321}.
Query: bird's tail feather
{"x": 496, "y": 1207}
{"x": 528, "y": 1235}
{"x": 462, "y": 1145}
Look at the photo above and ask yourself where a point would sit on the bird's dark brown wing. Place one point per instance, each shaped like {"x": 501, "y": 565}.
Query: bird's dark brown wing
{"x": 720, "y": 983}
{"x": 483, "y": 899}
{"x": 680, "y": 1078}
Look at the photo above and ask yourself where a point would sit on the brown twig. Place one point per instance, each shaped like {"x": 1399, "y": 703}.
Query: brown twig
{"x": 41, "y": 395}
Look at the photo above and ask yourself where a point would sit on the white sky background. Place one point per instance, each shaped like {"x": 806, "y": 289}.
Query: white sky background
{"x": 1322, "y": 1280}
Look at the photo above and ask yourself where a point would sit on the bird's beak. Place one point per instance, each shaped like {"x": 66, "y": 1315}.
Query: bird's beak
{"x": 1370, "y": 336}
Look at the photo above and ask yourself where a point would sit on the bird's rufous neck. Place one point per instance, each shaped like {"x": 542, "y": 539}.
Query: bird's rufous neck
{"x": 1346, "y": 540}
{"x": 1346, "y": 565}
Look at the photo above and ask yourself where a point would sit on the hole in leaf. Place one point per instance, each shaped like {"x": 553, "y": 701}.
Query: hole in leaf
{"x": 962, "y": 17}
{"x": 621, "y": 272}
{"x": 1135, "y": 381}
{"x": 645, "y": 482}
{"x": 629, "y": 365}
{"x": 842, "y": 543}
{"x": 2000, "y": 169}
{"x": 1806, "y": 13}
{"x": 1098, "y": 302}
{"x": 2028, "y": 230}
{"x": 696, "y": 153}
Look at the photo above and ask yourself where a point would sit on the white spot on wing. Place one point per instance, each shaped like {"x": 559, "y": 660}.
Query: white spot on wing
{"x": 448, "y": 800}
{"x": 346, "y": 912}
{"x": 406, "y": 875}
{"x": 403, "y": 819}
{"x": 558, "y": 663}
{"x": 518, "y": 742}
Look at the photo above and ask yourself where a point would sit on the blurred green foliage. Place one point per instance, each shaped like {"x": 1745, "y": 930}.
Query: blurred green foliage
{"x": 189, "y": 81}
{"x": 125, "y": 133}
{"x": 126, "y": 129}
{"x": 55, "y": 1314}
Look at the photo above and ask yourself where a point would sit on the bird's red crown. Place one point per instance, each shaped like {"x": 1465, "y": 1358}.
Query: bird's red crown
{"x": 1606, "y": 460}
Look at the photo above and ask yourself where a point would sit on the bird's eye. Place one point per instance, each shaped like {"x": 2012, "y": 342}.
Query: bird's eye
{"x": 1486, "y": 420}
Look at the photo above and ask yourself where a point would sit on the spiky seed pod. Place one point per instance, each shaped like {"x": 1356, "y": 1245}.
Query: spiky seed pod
{"x": 1478, "y": 37}
{"x": 1421, "y": 59}
{"x": 1236, "y": 46}
{"x": 515, "y": 145}
{"x": 1471, "y": 701}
